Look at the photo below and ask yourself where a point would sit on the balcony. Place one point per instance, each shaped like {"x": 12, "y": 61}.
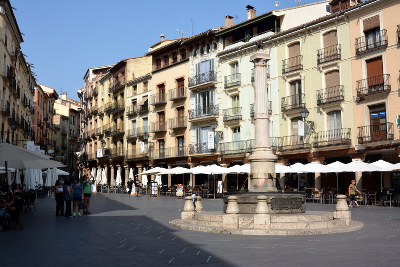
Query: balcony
{"x": 132, "y": 134}
{"x": 373, "y": 85}
{"x": 100, "y": 111}
{"x": 158, "y": 126}
{"x": 202, "y": 148}
{"x": 108, "y": 107}
{"x": 73, "y": 136}
{"x": 63, "y": 146}
{"x": 143, "y": 132}
{"x": 294, "y": 142}
{"x": 330, "y": 95}
{"x": 5, "y": 108}
{"x": 204, "y": 113}
{"x": 201, "y": 79}
{"x": 328, "y": 54}
{"x": 178, "y": 122}
{"x": 169, "y": 152}
{"x": 63, "y": 131}
{"x": 117, "y": 152}
{"x": 143, "y": 109}
{"x": 292, "y": 64}
{"x": 94, "y": 92}
{"x": 117, "y": 107}
{"x": 293, "y": 102}
{"x": 232, "y": 114}
{"x": 375, "y": 133}
{"x": 132, "y": 110}
{"x": 158, "y": 99}
{"x": 138, "y": 153}
{"x": 56, "y": 126}
{"x": 252, "y": 110}
{"x": 117, "y": 130}
{"x": 106, "y": 130}
{"x": 235, "y": 147}
{"x": 93, "y": 133}
{"x": 374, "y": 41}
{"x": 232, "y": 80}
{"x": 7, "y": 75}
{"x": 116, "y": 87}
{"x": 329, "y": 138}
{"x": 177, "y": 93}
{"x": 99, "y": 131}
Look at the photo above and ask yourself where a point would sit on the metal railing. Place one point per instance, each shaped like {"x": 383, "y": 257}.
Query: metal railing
{"x": 117, "y": 130}
{"x": 235, "y": 147}
{"x": 99, "y": 131}
{"x": 252, "y": 109}
{"x": 159, "y": 98}
{"x": 293, "y": 102}
{"x": 377, "y": 40}
{"x": 178, "y": 122}
{"x": 143, "y": 132}
{"x": 168, "y": 152}
{"x": 335, "y": 137}
{"x": 5, "y": 107}
{"x": 201, "y": 78}
{"x": 232, "y": 114}
{"x": 143, "y": 109}
{"x": 137, "y": 153}
{"x": 292, "y": 64}
{"x": 116, "y": 87}
{"x": 295, "y": 142}
{"x": 177, "y": 93}
{"x": 330, "y": 53}
{"x": 203, "y": 112}
{"x": 374, "y": 133}
{"x": 158, "y": 126}
{"x": 202, "y": 148}
{"x": 132, "y": 110}
{"x": 132, "y": 133}
{"x": 232, "y": 80}
{"x": 117, "y": 152}
{"x": 373, "y": 85}
{"x": 329, "y": 95}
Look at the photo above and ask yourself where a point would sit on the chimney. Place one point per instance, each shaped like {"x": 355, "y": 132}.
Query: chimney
{"x": 64, "y": 96}
{"x": 251, "y": 12}
{"x": 228, "y": 21}
{"x": 162, "y": 37}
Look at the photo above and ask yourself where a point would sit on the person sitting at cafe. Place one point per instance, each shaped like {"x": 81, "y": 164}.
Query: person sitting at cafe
{"x": 13, "y": 207}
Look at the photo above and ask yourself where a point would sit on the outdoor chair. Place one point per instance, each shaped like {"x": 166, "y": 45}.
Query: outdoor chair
{"x": 14, "y": 219}
{"x": 371, "y": 198}
{"x": 384, "y": 199}
{"x": 396, "y": 199}
{"x": 32, "y": 201}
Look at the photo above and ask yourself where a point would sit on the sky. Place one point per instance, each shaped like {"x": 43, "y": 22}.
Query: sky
{"x": 62, "y": 39}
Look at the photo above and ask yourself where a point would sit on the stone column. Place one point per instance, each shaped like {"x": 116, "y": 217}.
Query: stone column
{"x": 112, "y": 175}
{"x": 126, "y": 167}
{"x": 359, "y": 181}
{"x": 169, "y": 176}
{"x": 262, "y": 160}
{"x": 224, "y": 179}
{"x": 231, "y": 218}
{"x": 192, "y": 176}
{"x": 317, "y": 180}
{"x": 342, "y": 210}
{"x": 199, "y": 204}
{"x": 140, "y": 169}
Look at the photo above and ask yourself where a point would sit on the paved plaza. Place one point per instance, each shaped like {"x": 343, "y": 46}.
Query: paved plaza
{"x": 125, "y": 231}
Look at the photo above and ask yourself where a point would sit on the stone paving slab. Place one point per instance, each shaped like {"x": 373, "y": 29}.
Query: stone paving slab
{"x": 134, "y": 231}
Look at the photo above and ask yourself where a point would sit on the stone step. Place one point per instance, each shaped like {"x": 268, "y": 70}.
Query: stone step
{"x": 203, "y": 223}
{"x": 183, "y": 224}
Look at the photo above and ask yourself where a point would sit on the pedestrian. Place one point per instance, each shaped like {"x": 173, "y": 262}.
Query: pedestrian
{"x": 59, "y": 195}
{"x": 137, "y": 186}
{"x": 77, "y": 197}
{"x": 130, "y": 185}
{"x": 352, "y": 193}
{"x": 87, "y": 194}
{"x": 67, "y": 198}
{"x": 194, "y": 199}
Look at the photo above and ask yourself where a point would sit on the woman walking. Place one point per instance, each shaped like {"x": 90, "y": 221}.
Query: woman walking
{"x": 59, "y": 195}
{"x": 87, "y": 194}
{"x": 77, "y": 197}
{"x": 67, "y": 198}
{"x": 352, "y": 193}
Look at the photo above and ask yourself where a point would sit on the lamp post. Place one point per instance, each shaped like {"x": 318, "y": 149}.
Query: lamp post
{"x": 304, "y": 114}
{"x": 13, "y": 126}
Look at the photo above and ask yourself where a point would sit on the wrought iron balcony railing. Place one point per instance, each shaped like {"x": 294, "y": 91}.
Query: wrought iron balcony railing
{"x": 232, "y": 80}
{"x": 295, "y": 142}
{"x": 5, "y": 108}
{"x": 94, "y": 91}
{"x": 328, "y": 54}
{"x": 374, "y": 133}
{"x": 177, "y": 93}
{"x": 203, "y": 112}
{"x": 373, "y": 85}
{"x": 274, "y": 142}
{"x": 117, "y": 130}
{"x": 117, "y": 152}
{"x": 158, "y": 99}
{"x": 118, "y": 85}
{"x": 136, "y": 153}
{"x": 132, "y": 110}
{"x": 232, "y": 114}
{"x": 368, "y": 43}
{"x": 132, "y": 133}
{"x": 178, "y": 122}
{"x": 329, "y": 95}
{"x": 235, "y": 147}
{"x": 202, "y": 148}
{"x": 99, "y": 131}
{"x": 335, "y": 137}
{"x": 158, "y": 126}
{"x": 201, "y": 78}
{"x": 143, "y": 109}
{"x": 293, "y": 102}
{"x": 143, "y": 132}
{"x": 292, "y": 64}
{"x": 168, "y": 152}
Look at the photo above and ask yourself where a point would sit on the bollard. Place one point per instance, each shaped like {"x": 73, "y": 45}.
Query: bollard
{"x": 233, "y": 207}
{"x": 199, "y": 205}
{"x": 188, "y": 209}
{"x": 262, "y": 218}
{"x": 342, "y": 210}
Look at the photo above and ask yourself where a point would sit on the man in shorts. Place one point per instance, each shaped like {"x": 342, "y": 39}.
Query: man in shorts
{"x": 137, "y": 186}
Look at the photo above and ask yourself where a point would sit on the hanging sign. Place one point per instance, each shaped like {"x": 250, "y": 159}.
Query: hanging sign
{"x": 99, "y": 152}
{"x": 210, "y": 139}
{"x": 300, "y": 128}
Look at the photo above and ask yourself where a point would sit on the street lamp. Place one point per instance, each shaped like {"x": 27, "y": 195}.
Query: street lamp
{"x": 103, "y": 143}
{"x": 13, "y": 126}
{"x": 304, "y": 114}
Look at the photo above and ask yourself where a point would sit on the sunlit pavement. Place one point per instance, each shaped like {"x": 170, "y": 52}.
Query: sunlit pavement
{"x": 123, "y": 231}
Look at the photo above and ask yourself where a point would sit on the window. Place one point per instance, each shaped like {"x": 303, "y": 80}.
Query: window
{"x": 181, "y": 116}
{"x": 205, "y": 67}
{"x": 294, "y": 62}
{"x": 235, "y": 105}
{"x": 181, "y": 87}
{"x": 183, "y": 54}
{"x": 296, "y": 96}
{"x": 145, "y": 86}
{"x": 161, "y": 93}
{"x": 145, "y": 125}
{"x": 158, "y": 63}
{"x": 161, "y": 121}
{"x": 334, "y": 125}
{"x": 174, "y": 57}
{"x": 202, "y": 135}
{"x": 297, "y": 132}
{"x": 236, "y": 138}
{"x": 378, "y": 125}
{"x": 134, "y": 90}
{"x": 166, "y": 60}
{"x": 204, "y": 101}
{"x": 6, "y": 35}
{"x": 181, "y": 145}
{"x": 332, "y": 82}
{"x": 375, "y": 74}
{"x": 161, "y": 147}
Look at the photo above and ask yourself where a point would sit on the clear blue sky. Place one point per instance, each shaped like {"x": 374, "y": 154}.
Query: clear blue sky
{"x": 65, "y": 38}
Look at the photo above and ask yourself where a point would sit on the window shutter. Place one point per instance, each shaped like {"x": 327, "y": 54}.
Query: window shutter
{"x": 371, "y": 23}
{"x": 330, "y": 38}
{"x": 374, "y": 67}
{"x": 294, "y": 50}
{"x": 332, "y": 79}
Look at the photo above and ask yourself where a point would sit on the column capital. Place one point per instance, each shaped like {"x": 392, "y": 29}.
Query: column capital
{"x": 260, "y": 58}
